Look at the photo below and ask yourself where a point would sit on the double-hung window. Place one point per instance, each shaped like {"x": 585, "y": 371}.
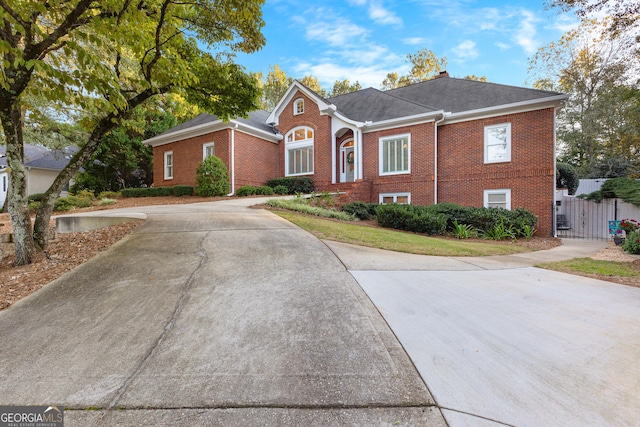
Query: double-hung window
{"x": 168, "y": 165}
{"x": 497, "y": 143}
{"x": 298, "y": 107}
{"x": 395, "y": 154}
{"x": 299, "y": 151}
{"x": 208, "y": 150}
{"x": 497, "y": 199}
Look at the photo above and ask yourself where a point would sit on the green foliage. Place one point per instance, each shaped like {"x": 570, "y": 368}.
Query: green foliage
{"x": 626, "y": 189}
{"x": 246, "y": 190}
{"x": 70, "y": 202}
{"x": 303, "y": 207}
{"x": 361, "y": 210}
{"x": 34, "y": 206}
{"x": 37, "y": 197}
{"x": 280, "y": 189}
{"x": 109, "y": 195}
{"x": 462, "y": 231}
{"x": 264, "y": 190}
{"x": 294, "y": 184}
{"x": 212, "y": 178}
{"x": 418, "y": 219}
{"x": 499, "y": 232}
{"x": 528, "y": 232}
{"x": 182, "y": 190}
{"x": 425, "y": 65}
{"x": 147, "y": 192}
{"x": 437, "y": 219}
{"x": 107, "y": 201}
{"x": 567, "y": 177}
{"x": 632, "y": 243}
{"x": 86, "y": 194}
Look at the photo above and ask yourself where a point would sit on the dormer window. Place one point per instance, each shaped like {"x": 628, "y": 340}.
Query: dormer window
{"x": 298, "y": 106}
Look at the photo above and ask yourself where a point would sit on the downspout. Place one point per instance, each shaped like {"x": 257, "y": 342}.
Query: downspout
{"x": 232, "y": 162}
{"x": 555, "y": 168}
{"x": 435, "y": 158}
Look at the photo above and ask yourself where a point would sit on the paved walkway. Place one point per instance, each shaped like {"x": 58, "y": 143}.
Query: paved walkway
{"x": 214, "y": 314}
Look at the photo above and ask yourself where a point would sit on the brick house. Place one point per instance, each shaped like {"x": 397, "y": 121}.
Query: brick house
{"x": 443, "y": 140}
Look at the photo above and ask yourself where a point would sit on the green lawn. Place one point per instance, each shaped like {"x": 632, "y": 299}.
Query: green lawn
{"x": 383, "y": 238}
{"x": 591, "y": 266}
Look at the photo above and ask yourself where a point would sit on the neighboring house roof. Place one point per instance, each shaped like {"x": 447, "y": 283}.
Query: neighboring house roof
{"x": 255, "y": 123}
{"x": 41, "y": 157}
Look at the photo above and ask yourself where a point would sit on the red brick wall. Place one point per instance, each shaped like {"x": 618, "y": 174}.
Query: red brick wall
{"x": 420, "y": 182}
{"x": 257, "y": 160}
{"x": 463, "y": 176}
{"x": 321, "y": 126}
{"x": 187, "y": 155}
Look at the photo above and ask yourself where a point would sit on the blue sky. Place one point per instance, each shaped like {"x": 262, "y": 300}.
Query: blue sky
{"x": 363, "y": 40}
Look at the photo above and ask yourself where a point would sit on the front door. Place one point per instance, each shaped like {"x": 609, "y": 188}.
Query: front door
{"x": 347, "y": 162}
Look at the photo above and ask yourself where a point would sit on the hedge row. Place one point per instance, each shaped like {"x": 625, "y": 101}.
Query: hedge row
{"x": 439, "y": 219}
{"x": 178, "y": 190}
{"x": 293, "y": 184}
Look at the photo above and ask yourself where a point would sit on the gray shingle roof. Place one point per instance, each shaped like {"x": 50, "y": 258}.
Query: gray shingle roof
{"x": 256, "y": 119}
{"x": 41, "y": 157}
{"x": 457, "y": 95}
{"x": 374, "y": 105}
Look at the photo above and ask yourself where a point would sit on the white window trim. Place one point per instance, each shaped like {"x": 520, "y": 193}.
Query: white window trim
{"x": 166, "y": 155}
{"x": 395, "y": 196}
{"x": 295, "y": 106}
{"x": 381, "y": 157}
{"x": 486, "y": 140}
{"x": 204, "y": 149}
{"x": 506, "y": 191}
{"x": 298, "y": 145}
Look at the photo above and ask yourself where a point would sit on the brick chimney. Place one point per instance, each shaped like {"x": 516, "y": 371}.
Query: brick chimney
{"x": 442, "y": 74}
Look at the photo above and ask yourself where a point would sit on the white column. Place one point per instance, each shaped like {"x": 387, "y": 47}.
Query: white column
{"x": 333, "y": 156}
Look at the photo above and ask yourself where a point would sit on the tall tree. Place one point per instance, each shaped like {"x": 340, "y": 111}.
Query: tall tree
{"x": 275, "y": 85}
{"x": 594, "y": 70}
{"x": 624, "y": 14}
{"x": 342, "y": 87}
{"x": 113, "y": 55}
{"x": 424, "y": 66}
{"x": 314, "y": 84}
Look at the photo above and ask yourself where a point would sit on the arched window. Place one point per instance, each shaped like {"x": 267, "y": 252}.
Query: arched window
{"x": 298, "y": 106}
{"x": 299, "y": 151}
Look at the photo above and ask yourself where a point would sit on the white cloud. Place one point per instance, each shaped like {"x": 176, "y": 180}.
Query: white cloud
{"x": 502, "y": 46}
{"x": 466, "y": 50}
{"x": 380, "y": 15}
{"x": 413, "y": 41}
{"x": 328, "y": 72}
{"x": 339, "y": 32}
{"x": 525, "y": 36}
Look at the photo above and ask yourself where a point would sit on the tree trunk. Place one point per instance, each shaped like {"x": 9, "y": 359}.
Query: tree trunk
{"x": 18, "y": 204}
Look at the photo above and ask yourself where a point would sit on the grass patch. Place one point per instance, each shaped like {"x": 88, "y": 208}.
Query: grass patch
{"x": 392, "y": 240}
{"x": 594, "y": 267}
{"x": 298, "y": 206}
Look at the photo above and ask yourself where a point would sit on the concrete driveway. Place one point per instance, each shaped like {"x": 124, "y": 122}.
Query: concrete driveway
{"x": 210, "y": 314}
{"x": 215, "y": 314}
{"x": 499, "y": 342}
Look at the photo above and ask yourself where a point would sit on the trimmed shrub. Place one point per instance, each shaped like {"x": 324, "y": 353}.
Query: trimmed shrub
{"x": 264, "y": 190}
{"x": 63, "y": 204}
{"x": 294, "y": 184}
{"x": 361, "y": 210}
{"x": 36, "y": 197}
{"x": 212, "y": 178}
{"x": 418, "y": 219}
{"x": 109, "y": 195}
{"x": 34, "y": 206}
{"x": 182, "y": 190}
{"x": 246, "y": 190}
{"x": 280, "y": 189}
{"x": 107, "y": 201}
